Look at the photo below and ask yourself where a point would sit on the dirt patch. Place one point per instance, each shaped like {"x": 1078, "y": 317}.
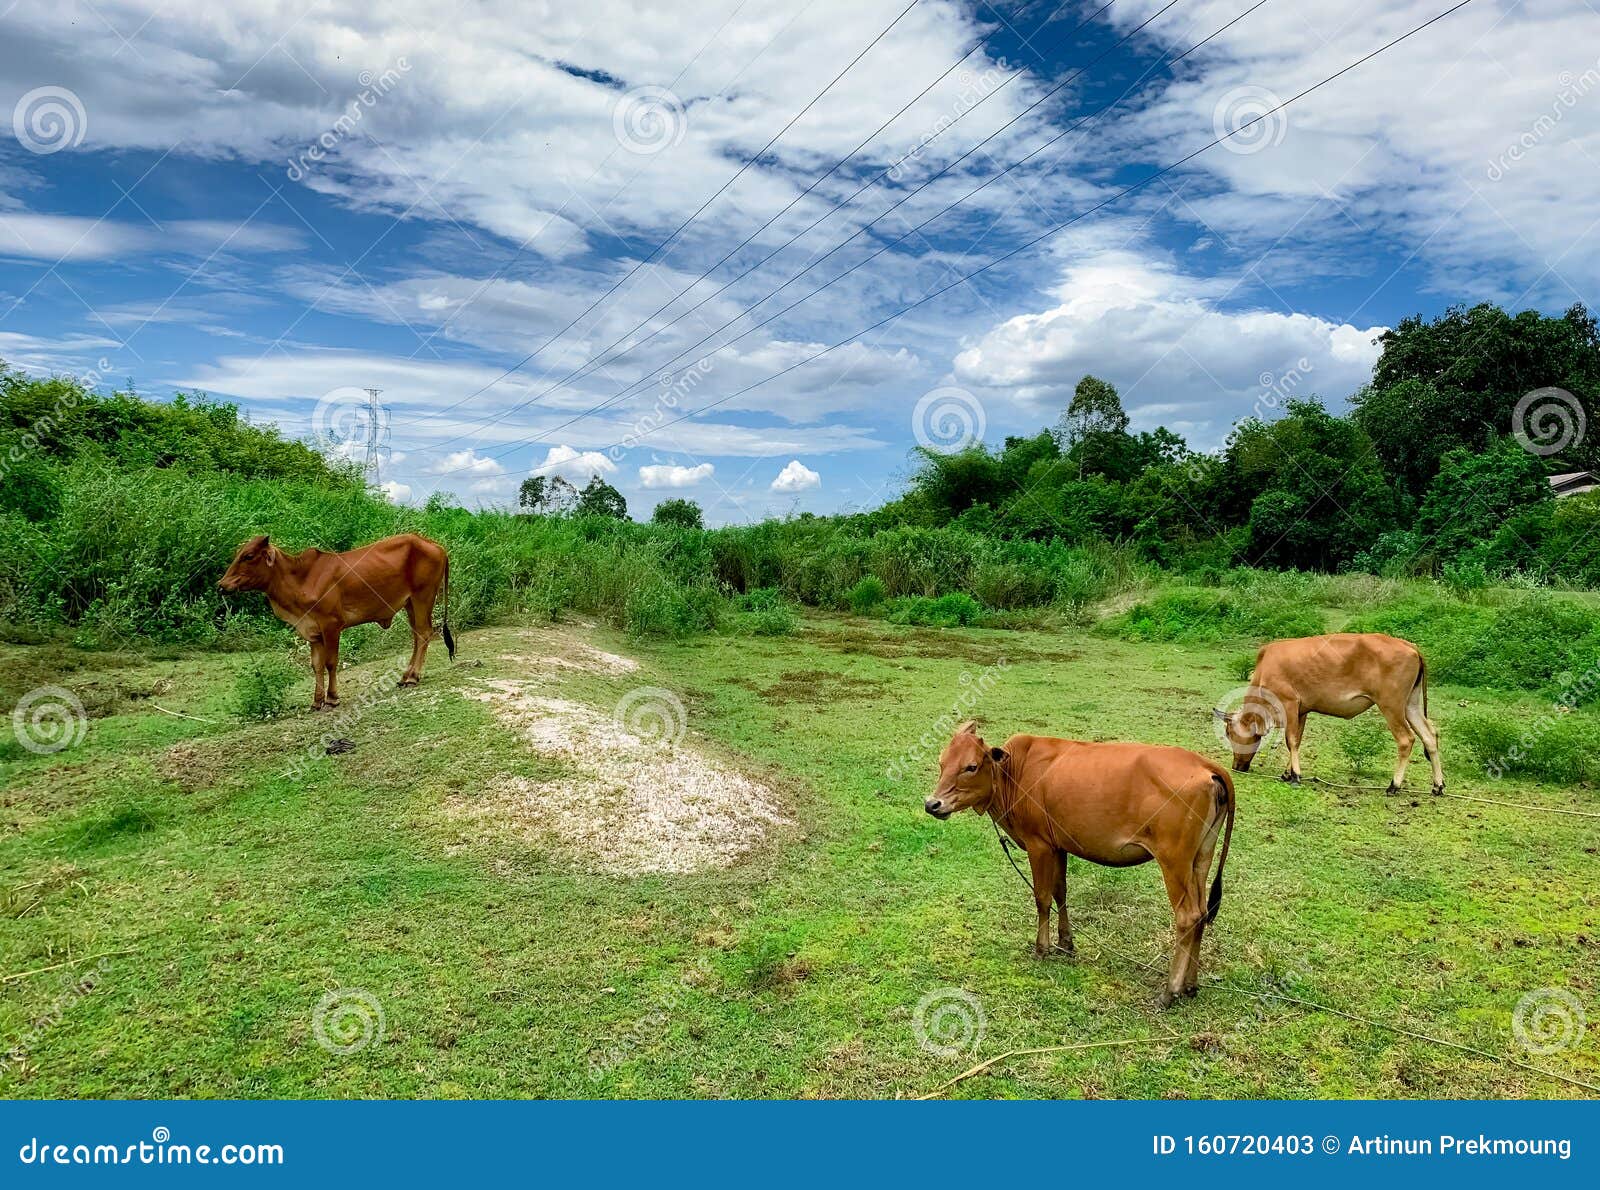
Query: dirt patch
{"x": 619, "y": 802}
{"x": 816, "y": 687}
{"x": 932, "y": 644}
{"x": 197, "y": 764}
{"x": 558, "y": 650}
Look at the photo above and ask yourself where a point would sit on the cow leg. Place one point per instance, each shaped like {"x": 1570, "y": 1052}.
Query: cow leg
{"x": 1202, "y": 868}
{"x": 330, "y": 658}
{"x": 1403, "y": 741}
{"x": 1046, "y": 865}
{"x": 1429, "y": 736}
{"x": 1063, "y": 925}
{"x": 1294, "y": 726}
{"x": 318, "y": 675}
{"x": 1186, "y": 913}
{"x": 419, "y": 611}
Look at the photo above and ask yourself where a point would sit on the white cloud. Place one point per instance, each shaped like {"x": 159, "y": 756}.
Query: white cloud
{"x": 1174, "y": 353}
{"x": 466, "y": 462}
{"x": 665, "y": 475}
{"x": 574, "y": 465}
{"x": 77, "y": 238}
{"x": 397, "y": 493}
{"x": 796, "y": 477}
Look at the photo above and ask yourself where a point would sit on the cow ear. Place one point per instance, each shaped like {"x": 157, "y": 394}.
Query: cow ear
{"x": 272, "y": 556}
{"x": 999, "y": 755}
{"x": 970, "y": 727}
{"x": 1217, "y": 714}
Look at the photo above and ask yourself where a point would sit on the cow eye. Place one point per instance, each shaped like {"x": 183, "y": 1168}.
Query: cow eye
{"x": 972, "y": 768}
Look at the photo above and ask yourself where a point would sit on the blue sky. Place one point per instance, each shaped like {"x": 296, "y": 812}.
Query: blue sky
{"x": 282, "y": 204}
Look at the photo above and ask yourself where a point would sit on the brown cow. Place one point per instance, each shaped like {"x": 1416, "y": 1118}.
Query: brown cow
{"x": 1113, "y": 804}
{"x": 319, "y": 595}
{"x": 1341, "y": 674}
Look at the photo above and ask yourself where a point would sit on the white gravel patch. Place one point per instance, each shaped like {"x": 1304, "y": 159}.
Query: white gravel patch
{"x": 621, "y": 803}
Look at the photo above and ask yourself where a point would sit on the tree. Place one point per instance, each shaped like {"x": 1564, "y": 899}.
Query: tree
{"x": 1316, "y": 493}
{"x": 681, "y": 513}
{"x": 549, "y": 495}
{"x": 599, "y": 498}
{"x": 1475, "y": 493}
{"x": 1455, "y": 382}
{"x": 1094, "y": 429}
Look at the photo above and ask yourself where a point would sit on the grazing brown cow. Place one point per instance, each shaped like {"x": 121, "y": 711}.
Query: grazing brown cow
{"x": 1113, "y": 804}
{"x": 1341, "y": 674}
{"x": 320, "y": 595}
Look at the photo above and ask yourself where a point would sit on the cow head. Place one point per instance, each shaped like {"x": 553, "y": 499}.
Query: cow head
{"x": 252, "y": 566}
{"x": 967, "y": 770}
{"x": 1245, "y": 729}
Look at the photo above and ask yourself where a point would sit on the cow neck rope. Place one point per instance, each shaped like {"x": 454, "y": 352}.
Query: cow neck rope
{"x": 1002, "y": 780}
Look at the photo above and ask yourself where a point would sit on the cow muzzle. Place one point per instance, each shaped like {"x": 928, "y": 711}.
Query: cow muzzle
{"x": 937, "y": 807}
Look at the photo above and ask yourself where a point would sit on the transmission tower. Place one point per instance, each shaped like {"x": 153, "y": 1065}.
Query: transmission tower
{"x": 377, "y": 435}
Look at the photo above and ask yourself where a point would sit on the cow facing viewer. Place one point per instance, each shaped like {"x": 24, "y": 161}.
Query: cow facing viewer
{"x": 319, "y": 595}
{"x": 1341, "y": 674}
{"x": 1112, "y": 804}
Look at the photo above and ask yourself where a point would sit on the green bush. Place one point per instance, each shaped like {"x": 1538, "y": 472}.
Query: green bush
{"x": 867, "y": 595}
{"x": 956, "y": 610}
{"x": 1362, "y": 740}
{"x": 1197, "y": 614}
{"x": 1547, "y": 743}
{"x": 261, "y": 691}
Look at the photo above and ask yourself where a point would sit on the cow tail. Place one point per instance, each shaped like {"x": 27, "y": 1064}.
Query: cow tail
{"x": 449, "y": 641}
{"x": 1225, "y": 801}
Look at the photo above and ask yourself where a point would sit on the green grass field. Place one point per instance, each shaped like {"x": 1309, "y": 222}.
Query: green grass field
{"x": 213, "y": 898}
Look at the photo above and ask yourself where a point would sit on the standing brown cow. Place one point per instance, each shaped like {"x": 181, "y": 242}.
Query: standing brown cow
{"x": 1113, "y": 804}
{"x": 319, "y": 595}
{"x": 1341, "y": 674}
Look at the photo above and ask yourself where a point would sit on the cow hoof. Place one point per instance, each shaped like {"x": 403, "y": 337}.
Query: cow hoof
{"x": 1164, "y": 999}
{"x": 1290, "y": 778}
{"x": 1393, "y": 789}
{"x": 1438, "y": 791}
{"x": 1070, "y": 952}
{"x": 332, "y": 701}
{"x": 1191, "y": 990}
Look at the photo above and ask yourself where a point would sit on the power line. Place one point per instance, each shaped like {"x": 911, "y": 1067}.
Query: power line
{"x": 635, "y": 386}
{"x": 1064, "y": 224}
{"x": 751, "y": 160}
{"x": 600, "y": 358}
{"x": 689, "y": 351}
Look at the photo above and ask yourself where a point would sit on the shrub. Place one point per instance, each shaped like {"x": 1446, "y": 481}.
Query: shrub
{"x": 867, "y": 595}
{"x": 956, "y": 610}
{"x": 261, "y": 691}
{"x": 1362, "y": 740}
{"x": 1549, "y": 744}
{"x": 1195, "y": 614}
